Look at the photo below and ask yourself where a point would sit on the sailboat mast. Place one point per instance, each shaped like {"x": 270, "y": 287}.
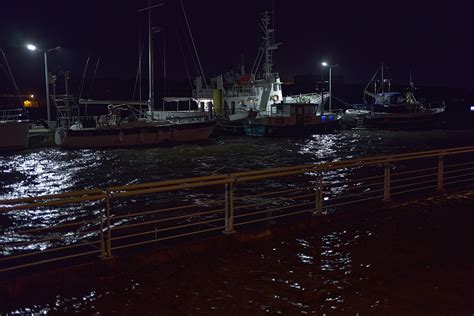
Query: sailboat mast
{"x": 382, "y": 78}
{"x": 151, "y": 92}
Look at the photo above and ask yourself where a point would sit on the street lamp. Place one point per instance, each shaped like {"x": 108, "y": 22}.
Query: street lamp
{"x": 33, "y": 48}
{"x": 325, "y": 64}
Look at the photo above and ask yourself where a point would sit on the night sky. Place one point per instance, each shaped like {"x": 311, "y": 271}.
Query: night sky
{"x": 432, "y": 39}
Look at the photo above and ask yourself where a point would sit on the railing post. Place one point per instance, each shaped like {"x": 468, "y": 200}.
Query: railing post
{"x": 386, "y": 182}
{"x": 102, "y": 243}
{"x": 109, "y": 233}
{"x": 229, "y": 208}
{"x": 440, "y": 186}
{"x": 318, "y": 209}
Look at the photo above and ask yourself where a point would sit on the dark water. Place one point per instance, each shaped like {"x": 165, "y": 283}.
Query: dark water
{"x": 53, "y": 170}
{"x": 412, "y": 260}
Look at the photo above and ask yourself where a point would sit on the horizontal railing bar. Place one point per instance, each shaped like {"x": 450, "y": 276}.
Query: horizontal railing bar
{"x": 167, "y": 238}
{"x": 266, "y": 211}
{"x": 35, "y": 241}
{"x": 166, "y": 229}
{"x": 456, "y": 171}
{"x": 35, "y": 230}
{"x": 162, "y": 210}
{"x": 413, "y": 171}
{"x": 176, "y": 187}
{"x": 414, "y": 190}
{"x": 52, "y": 196}
{"x": 167, "y": 183}
{"x": 273, "y": 217}
{"x": 365, "y": 186}
{"x": 238, "y": 198}
{"x": 412, "y": 178}
{"x": 459, "y": 181}
{"x": 272, "y": 210}
{"x": 459, "y": 176}
{"x": 459, "y": 164}
{"x": 166, "y": 219}
{"x": 412, "y": 184}
{"x": 53, "y": 203}
{"x": 280, "y": 199}
{"x": 353, "y": 202}
{"x": 49, "y": 260}
{"x": 354, "y": 194}
{"x": 29, "y": 254}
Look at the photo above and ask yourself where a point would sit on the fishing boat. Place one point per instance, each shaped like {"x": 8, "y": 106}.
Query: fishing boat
{"x": 242, "y": 99}
{"x": 127, "y": 123}
{"x": 291, "y": 119}
{"x": 386, "y": 109}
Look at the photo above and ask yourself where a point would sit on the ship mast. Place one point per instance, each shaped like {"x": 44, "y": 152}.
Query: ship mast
{"x": 270, "y": 46}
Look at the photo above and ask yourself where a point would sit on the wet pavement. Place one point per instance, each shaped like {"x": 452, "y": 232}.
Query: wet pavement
{"x": 415, "y": 259}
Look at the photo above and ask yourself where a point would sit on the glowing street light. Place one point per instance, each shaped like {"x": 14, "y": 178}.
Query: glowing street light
{"x": 325, "y": 64}
{"x": 33, "y": 48}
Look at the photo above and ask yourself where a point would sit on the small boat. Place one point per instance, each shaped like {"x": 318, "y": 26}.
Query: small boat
{"x": 292, "y": 119}
{"x": 391, "y": 110}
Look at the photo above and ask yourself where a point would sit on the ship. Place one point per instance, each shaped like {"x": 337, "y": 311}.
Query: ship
{"x": 241, "y": 99}
{"x": 129, "y": 123}
{"x": 386, "y": 109}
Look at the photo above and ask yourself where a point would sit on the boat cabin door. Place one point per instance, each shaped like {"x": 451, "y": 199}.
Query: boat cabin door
{"x": 300, "y": 115}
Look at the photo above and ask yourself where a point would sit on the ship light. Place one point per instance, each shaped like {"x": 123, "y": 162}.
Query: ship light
{"x": 323, "y": 118}
{"x": 472, "y": 108}
{"x": 275, "y": 98}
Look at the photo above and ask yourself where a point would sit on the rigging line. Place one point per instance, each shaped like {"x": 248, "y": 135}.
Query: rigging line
{"x": 83, "y": 78}
{"x": 93, "y": 77}
{"x": 11, "y": 77}
{"x": 255, "y": 63}
{"x": 139, "y": 72}
{"x": 193, "y": 57}
{"x": 194, "y": 45}
{"x": 185, "y": 62}
{"x": 262, "y": 53}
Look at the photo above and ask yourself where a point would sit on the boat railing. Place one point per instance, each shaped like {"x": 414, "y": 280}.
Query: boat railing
{"x": 12, "y": 115}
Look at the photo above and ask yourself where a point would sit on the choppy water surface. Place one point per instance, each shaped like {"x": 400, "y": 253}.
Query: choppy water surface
{"x": 307, "y": 274}
{"x": 53, "y": 170}
{"x": 413, "y": 260}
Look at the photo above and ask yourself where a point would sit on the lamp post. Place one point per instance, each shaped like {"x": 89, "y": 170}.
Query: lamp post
{"x": 33, "y": 48}
{"x": 325, "y": 64}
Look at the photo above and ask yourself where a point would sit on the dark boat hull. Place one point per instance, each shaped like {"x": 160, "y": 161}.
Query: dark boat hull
{"x": 14, "y": 135}
{"x": 402, "y": 122}
{"x": 263, "y": 130}
{"x": 135, "y": 136}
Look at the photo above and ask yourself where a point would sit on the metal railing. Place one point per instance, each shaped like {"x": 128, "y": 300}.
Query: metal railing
{"x": 101, "y": 223}
{"x": 12, "y": 115}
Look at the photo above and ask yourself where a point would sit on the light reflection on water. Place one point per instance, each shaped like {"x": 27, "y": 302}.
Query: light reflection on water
{"x": 53, "y": 170}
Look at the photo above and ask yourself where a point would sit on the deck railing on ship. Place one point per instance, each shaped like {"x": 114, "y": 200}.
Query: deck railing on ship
{"x": 110, "y": 222}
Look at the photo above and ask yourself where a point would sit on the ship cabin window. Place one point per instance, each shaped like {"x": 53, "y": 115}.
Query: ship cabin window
{"x": 232, "y": 107}
{"x": 276, "y": 87}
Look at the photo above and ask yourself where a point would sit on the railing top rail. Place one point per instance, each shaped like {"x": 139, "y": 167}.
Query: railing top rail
{"x": 203, "y": 181}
